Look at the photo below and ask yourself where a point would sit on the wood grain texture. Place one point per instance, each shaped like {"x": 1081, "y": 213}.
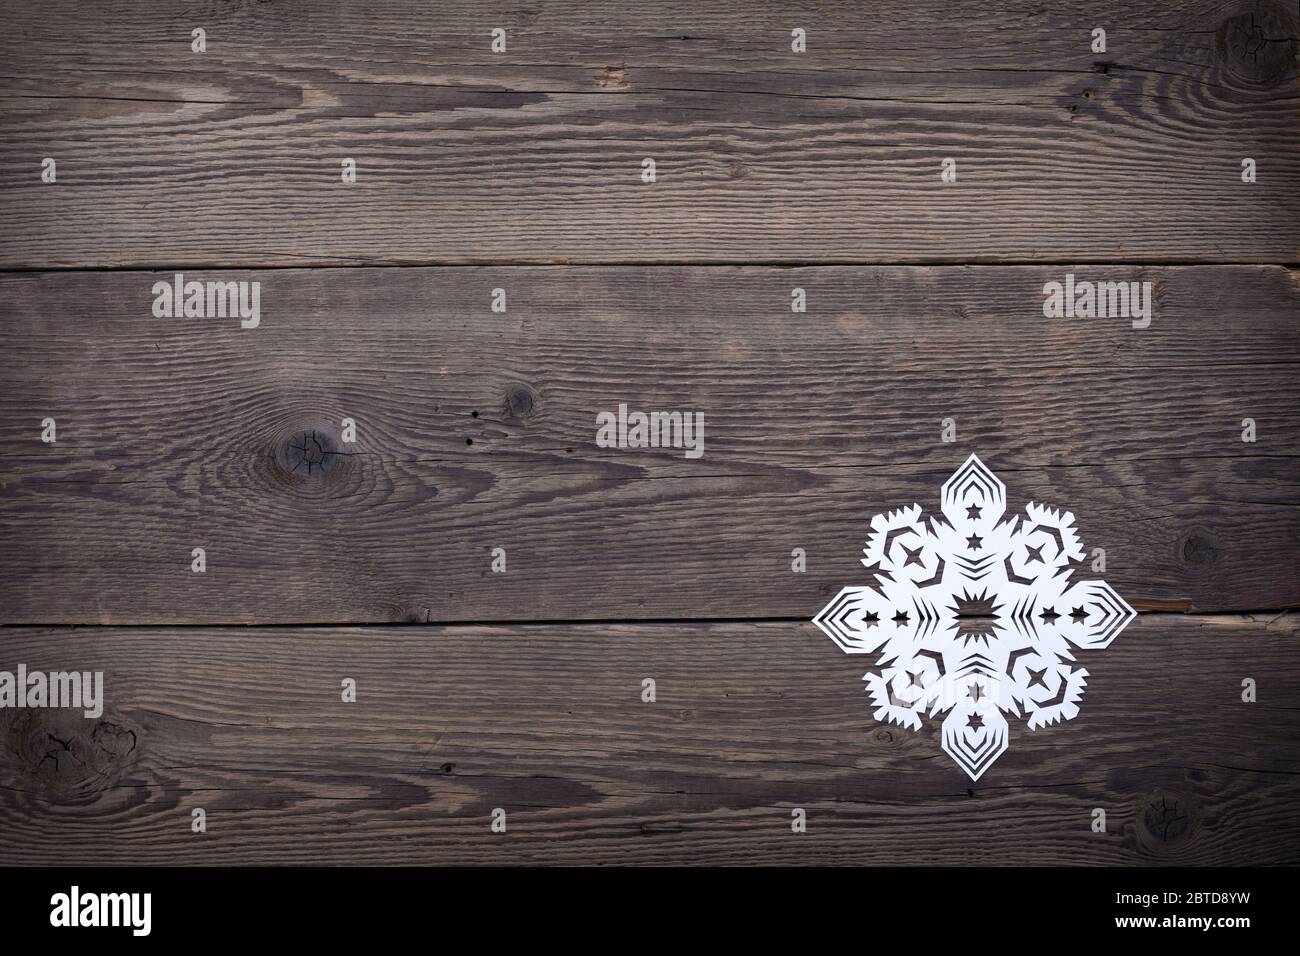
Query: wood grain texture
{"x": 169, "y": 157}
{"x": 546, "y": 722}
{"x": 477, "y": 430}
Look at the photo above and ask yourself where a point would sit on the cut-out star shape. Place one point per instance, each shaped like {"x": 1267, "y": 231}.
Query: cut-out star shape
{"x": 1078, "y": 614}
{"x": 1049, "y": 615}
{"x": 900, "y": 618}
{"x": 1036, "y": 677}
{"x": 1035, "y": 554}
{"x": 975, "y": 692}
{"x": 974, "y": 542}
{"x": 913, "y": 557}
{"x": 915, "y": 680}
{"x": 973, "y": 512}
{"x": 975, "y": 720}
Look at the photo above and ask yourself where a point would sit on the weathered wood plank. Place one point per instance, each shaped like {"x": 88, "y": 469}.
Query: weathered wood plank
{"x": 547, "y": 723}
{"x": 477, "y": 430}
{"x": 170, "y": 157}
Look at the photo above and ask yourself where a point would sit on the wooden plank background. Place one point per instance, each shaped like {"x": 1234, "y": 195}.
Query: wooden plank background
{"x": 752, "y": 720}
{"x": 534, "y": 155}
{"x": 476, "y": 430}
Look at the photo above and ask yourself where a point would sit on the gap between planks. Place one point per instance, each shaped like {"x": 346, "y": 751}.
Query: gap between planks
{"x": 1277, "y": 614}
{"x": 577, "y": 262}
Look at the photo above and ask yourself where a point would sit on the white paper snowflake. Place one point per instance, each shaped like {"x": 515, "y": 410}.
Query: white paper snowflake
{"x": 974, "y": 617}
